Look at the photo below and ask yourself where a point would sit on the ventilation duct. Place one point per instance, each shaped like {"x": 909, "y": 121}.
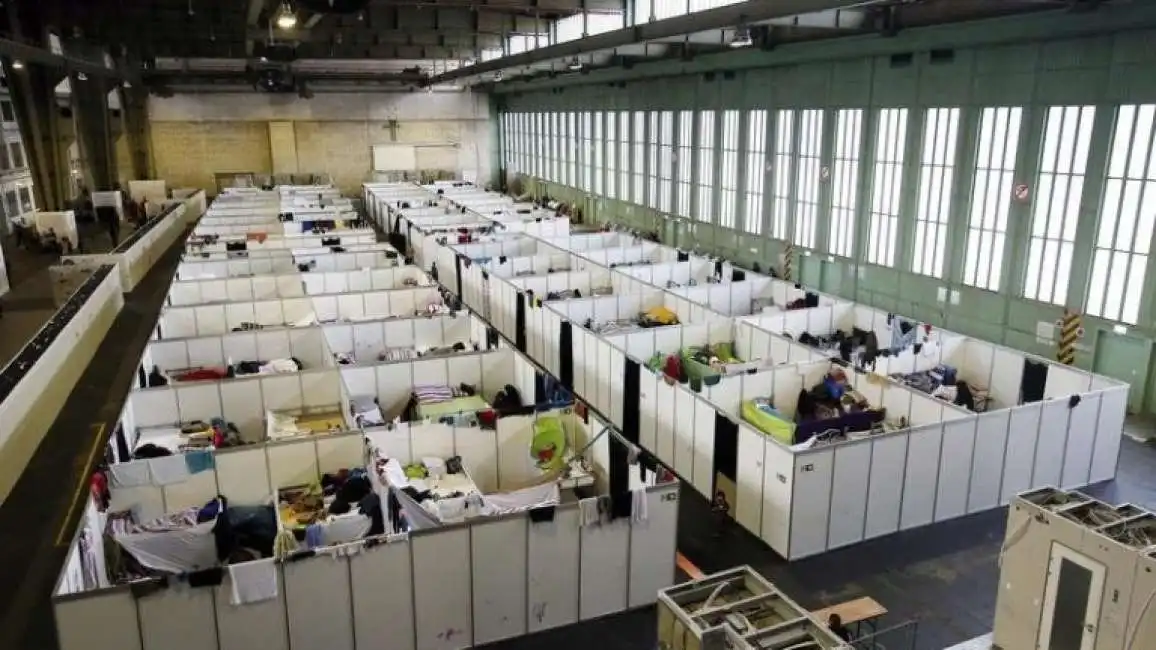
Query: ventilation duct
{"x": 333, "y": 6}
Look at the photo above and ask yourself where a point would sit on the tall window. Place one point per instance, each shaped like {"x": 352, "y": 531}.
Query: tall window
{"x": 782, "y": 168}
{"x": 587, "y": 152}
{"x": 665, "y": 160}
{"x": 729, "y": 169}
{"x": 572, "y": 149}
{"x": 756, "y": 152}
{"x": 639, "y": 194}
{"x": 685, "y": 158}
{"x": 521, "y": 141}
{"x": 807, "y": 183}
{"x": 845, "y": 182}
{"x": 705, "y": 165}
{"x": 520, "y": 138}
{"x": 1127, "y": 218}
{"x": 991, "y": 196}
{"x": 612, "y": 154}
{"x": 652, "y": 161}
{"x": 535, "y": 151}
{"x": 886, "y": 186}
{"x": 507, "y": 134}
{"x": 936, "y": 173}
{"x": 543, "y": 154}
{"x": 555, "y": 138}
{"x": 1056, "y": 207}
{"x": 599, "y": 153}
{"x": 624, "y": 155}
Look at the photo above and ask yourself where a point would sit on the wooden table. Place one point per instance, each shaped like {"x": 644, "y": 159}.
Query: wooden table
{"x": 858, "y": 612}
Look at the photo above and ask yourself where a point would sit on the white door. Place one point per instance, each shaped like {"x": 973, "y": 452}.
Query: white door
{"x": 1071, "y": 601}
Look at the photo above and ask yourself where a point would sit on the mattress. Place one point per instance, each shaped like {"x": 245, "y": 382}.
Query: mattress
{"x": 452, "y": 407}
{"x": 696, "y": 369}
{"x": 287, "y": 425}
{"x": 766, "y": 420}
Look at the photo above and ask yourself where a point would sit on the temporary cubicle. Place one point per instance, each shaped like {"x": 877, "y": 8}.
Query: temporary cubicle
{"x": 1044, "y": 423}
{"x": 219, "y": 318}
{"x": 295, "y": 284}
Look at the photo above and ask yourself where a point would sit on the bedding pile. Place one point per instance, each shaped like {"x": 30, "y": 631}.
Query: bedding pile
{"x": 340, "y": 507}
{"x": 943, "y": 382}
{"x": 831, "y": 409}
{"x": 429, "y": 493}
{"x": 455, "y": 406}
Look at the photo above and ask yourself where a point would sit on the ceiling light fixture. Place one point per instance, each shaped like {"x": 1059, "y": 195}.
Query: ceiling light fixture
{"x": 741, "y": 38}
{"x": 286, "y": 19}
{"x": 17, "y": 65}
{"x": 574, "y": 65}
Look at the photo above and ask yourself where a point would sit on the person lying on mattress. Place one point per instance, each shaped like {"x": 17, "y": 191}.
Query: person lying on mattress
{"x": 831, "y": 397}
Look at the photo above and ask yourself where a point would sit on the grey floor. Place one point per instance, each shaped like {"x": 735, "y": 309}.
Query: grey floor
{"x": 942, "y": 577}
{"x": 29, "y": 304}
{"x": 938, "y": 582}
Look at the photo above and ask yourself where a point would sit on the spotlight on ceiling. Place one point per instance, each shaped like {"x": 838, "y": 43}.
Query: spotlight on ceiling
{"x": 286, "y": 19}
{"x": 741, "y": 38}
{"x": 574, "y": 65}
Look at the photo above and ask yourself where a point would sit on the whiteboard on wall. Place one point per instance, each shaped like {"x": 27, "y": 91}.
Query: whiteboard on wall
{"x": 394, "y": 157}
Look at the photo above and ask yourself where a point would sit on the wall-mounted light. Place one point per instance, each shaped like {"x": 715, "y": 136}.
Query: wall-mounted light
{"x": 575, "y": 64}
{"x": 741, "y": 38}
{"x": 17, "y": 65}
{"x": 286, "y": 19}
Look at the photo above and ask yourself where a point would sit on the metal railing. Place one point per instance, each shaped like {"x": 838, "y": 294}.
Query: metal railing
{"x": 897, "y": 637}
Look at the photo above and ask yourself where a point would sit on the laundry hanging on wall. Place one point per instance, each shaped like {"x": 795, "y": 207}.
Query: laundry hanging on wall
{"x": 566, "y": 355}
{"x": 520, "y": 322}
{"x": 619, "y": 470}
{"x": 726, "y": 450}
{"x": 630, "y": 401}
{"x": 458, "y": 274}
{"x": 1035, "y": 378}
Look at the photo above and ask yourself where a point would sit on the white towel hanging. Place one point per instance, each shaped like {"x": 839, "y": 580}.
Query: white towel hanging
{"x": 638, "y": 510}
{"x": 253, "y": 582}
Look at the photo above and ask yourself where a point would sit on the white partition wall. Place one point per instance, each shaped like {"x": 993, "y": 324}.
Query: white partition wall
{"x": 381, "y": 256}
{"x": 933, "y": 461}
{"x": 220, "y": 318}
{"x": 451, "y": 587}
{"x": 295, "y": 284}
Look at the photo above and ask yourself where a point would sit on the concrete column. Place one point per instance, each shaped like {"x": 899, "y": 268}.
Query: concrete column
{"x": 283, "y": 147}
{"x": 134, "y": 106}
{"x": 34, "y": 101}
{"x": 94, "y": 129}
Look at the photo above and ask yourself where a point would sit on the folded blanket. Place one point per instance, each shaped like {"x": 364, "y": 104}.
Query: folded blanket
{"x": 432, "y": 394}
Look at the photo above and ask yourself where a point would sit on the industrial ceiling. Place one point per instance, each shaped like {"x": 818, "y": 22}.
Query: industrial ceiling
{"x": 415, "y": 43}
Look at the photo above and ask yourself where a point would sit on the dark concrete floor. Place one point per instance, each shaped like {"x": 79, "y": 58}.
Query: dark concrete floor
{"x": 942, "y": 576}
{"x": 29, "y": 303}
{"x": 34, "y": 535}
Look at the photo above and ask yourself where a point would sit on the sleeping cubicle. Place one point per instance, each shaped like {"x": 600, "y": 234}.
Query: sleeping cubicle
{"x": 405, "y": 532}
{"x": 906, "y": 402}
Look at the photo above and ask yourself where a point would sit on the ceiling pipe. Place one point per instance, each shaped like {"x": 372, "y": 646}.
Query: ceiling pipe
{"x": 700, "y": 21}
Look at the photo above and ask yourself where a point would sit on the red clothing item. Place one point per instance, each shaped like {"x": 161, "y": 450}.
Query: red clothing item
{"x": 202, "y": 374}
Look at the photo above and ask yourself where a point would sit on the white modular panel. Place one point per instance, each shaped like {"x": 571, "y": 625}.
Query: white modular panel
{"x": 319, "y": 622}
{"x": 443, "y": 599}
{"x": 849, "y": 487}
{"x": 499, "y": 578}
{"x": 605, "y": 569}
{"x": 811, "y": 502}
